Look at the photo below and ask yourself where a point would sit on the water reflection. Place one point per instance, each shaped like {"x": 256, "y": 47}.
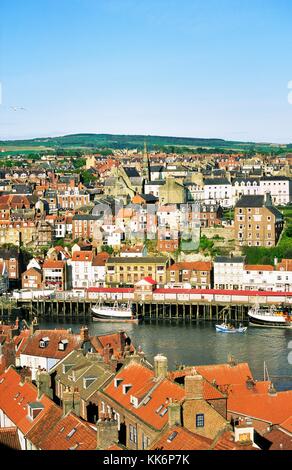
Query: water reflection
{"x": 198, "y": 343}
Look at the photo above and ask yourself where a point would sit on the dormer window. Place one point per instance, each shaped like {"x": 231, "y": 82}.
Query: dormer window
{"x": 67, "y": 367}
{"x": 126, "y": 388}
{"x": 44, "y": 342}
{"x": 62, "y": 344}
{"x": 87, "y": 381}
{"x": 117, "y": 382}
{"x": 34, "y": 409}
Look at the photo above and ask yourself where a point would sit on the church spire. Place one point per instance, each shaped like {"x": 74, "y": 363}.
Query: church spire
{"x": 146, "y": 164}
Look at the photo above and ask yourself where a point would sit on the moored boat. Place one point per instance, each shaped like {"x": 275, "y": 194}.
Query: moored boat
{"x": 226, "y": 328}
{"x": 123, "y": 312}
{"x": 270, "y": 317}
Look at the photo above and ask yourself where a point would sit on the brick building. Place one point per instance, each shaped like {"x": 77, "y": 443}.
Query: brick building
{"x": 257, "y": 222}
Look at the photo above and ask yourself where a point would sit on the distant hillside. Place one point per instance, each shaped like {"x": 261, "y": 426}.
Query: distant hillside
{"x": 130, "y": 141}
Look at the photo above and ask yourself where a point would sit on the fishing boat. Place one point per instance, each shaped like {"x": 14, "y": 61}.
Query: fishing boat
{"x": 275, "y": 317}
{"x": 122, "y": 312}
{"x": 227, "y": 328}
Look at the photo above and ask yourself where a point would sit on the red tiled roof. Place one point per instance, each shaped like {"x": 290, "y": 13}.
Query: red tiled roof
{"x": 224, "y": 374}
{"x": 14, "y": 398}
{"x": 270, "y": 408}
{"x": 183, "y": 440}
{"x": 192, "y": 266}
{"x": 149, "y": 280}
{"x": 226, "y": 442}
{"x": 20, "y": 341}
{"x": 210, "y": 392}
{"x": 142, "y": 380}
{"x": 32, "y": 347}
{"x": 82, "y": 256}
{"x": 279, "y": 439}
{"x": 58, "y": 437}
{"x": 112, "y": 340}
{"x": 100, "y": 259}
{"x": 258, "y": 267}
{"x": 9, "y": 438}
{"x": 51, "y": 264}
{"x": 287, "y": 424}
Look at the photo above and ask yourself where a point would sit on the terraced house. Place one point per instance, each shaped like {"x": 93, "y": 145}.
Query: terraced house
{"x": 128, "y": 271}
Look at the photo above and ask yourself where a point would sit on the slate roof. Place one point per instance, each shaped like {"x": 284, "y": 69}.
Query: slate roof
{"x": 228, "y": 259}
{"x": 216, "y": 181}
{"x": 83, "y": 367}
{"x": 251, "y": 201}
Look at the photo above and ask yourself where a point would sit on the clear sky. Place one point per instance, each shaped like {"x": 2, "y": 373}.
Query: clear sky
{"x": 195, "y": 68}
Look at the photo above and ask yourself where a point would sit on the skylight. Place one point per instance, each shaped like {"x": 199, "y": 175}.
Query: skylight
{"x": 159, "y": 409}
{"x": 71, "y": 433}
{"x": 163, "y": 412}
{"x": 172, "y": 436}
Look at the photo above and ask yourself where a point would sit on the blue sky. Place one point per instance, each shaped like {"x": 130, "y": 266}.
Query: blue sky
{"x": 197, "y": 68}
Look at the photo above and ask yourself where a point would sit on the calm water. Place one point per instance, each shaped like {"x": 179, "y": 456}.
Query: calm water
{"x": 199, "y": 344}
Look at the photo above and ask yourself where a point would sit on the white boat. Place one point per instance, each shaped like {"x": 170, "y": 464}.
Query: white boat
{"x": 123, "y": 312}
{"x": 271, "y": 317}
{"x": 225, "y": 328}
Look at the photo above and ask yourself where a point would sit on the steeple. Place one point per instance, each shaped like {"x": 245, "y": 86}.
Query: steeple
{"x": 146, "y": 164}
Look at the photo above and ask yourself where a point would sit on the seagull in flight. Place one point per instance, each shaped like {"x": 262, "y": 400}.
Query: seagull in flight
{"x": 17, "y": 108}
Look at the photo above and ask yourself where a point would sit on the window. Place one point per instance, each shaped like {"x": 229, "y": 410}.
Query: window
{"x": 200, "y": 420}
{"x": 133, "y": 434}
{"x": 145, "y": 442}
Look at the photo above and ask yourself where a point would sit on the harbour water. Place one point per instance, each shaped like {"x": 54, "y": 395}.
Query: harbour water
{"x": 199, "y": 344}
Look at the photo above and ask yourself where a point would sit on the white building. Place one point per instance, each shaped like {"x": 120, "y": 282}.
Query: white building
{"x": 82, "y": 273}
{"x": 228, "y": 272}
{"x": 218, "y": 191}
{"x": 244, "y": 187}
{"x": 280, "y": 188}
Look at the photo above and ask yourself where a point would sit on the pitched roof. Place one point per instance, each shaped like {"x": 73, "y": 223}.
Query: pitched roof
{"x": 9, "y": 438}
{"x": 258, "y": 267}
{"x": 32, "y": 347}
{"x": 279, "y": 440}
{"x": 224, "y": 374}
{"x": 52, "y": 264}
{"x": 226, "y": 442}
{"x": 15, "y": 397}
{"x": 273, "y": 409}
{"x": 287, "y": 424}
{"x": 100, "y": 259}
{"x": 82, "y": 256}
{"x": 70, "y": 433}
{"x": 192, "y": 265}
{"x": 143, "y": 385}
{"x": 251, "y": 201}
{"x": 179, "y": 438}
{"x": 229, "y": 259}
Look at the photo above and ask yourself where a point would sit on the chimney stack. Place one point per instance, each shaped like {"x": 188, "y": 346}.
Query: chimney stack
{"x": 194, "y": 387}
{"x": 160, "y": 366}
{"x": 67, "y": 399}
{"x": 107, "y": 433}
{"x": 174, "y": 414}
{"x": 43, "y": 381}
{"x": 84, "y": 333}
